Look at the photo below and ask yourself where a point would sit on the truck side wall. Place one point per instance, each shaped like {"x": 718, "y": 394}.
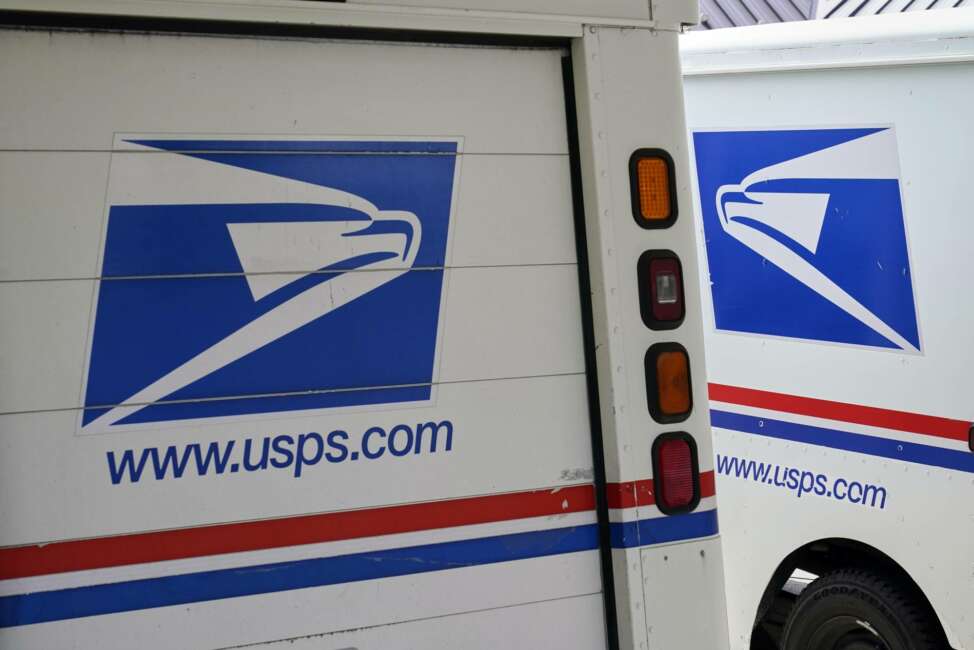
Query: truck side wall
{"x": 920, "y": 470}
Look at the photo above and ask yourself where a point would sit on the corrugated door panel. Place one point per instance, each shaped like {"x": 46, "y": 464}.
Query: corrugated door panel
{"x": 292, "y": 342}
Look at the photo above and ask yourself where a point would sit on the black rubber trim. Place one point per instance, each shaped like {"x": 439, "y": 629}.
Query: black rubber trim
{"x": 591, "y": 375}
{"x": 655, "y": 224}
{"x": 652, "y": 389}
{"x": 645, "y": 290}
{"x": 137, "y": 24}
{"x": 695, "y": 501}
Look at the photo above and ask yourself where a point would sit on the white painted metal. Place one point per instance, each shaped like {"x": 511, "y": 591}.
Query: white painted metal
{"x": 519, "y": 629}
{"x": 617, "y": 117}
{"x": 631, "y": 9}
{"x": 539, "y": 18}
{"x": 763, "y": 78}
{"x": 65, "y": 512}
{"x": 273, "y": 94}
{"x": 675, "y": 13}
{"x": 670, "y": 576}
{"x": 509, "y": 370}
{"x": 938, "y": 36}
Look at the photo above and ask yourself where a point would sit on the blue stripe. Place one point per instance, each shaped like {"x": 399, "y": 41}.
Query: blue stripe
{"x": 910, "y": 452}
{"x": 673, "y": 528}
{"x": 44, "y": 606}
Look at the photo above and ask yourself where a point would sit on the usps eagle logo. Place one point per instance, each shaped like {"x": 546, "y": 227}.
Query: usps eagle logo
{"x": 805, "y": 235}
{"x": 267, "y": 276}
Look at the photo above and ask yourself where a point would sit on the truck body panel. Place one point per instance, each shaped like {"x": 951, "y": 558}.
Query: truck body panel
{"x": 298, "y": 341}
{"x": 839, "y": 399}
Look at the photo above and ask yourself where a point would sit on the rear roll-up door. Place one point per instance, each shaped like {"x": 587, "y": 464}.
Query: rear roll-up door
{"x": 217, "y": 246}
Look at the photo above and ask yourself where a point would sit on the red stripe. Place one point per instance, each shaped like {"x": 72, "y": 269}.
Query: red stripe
{"x": 869, "y": 415}
{"x": 630, "y": 494}
{"x": 640, "y": 493}
{"x": 707, "y": 487}
{"x": 78, "y": 555}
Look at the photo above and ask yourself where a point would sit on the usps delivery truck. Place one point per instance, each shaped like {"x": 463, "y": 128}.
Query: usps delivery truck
{"x": 338, "y": 325}
{"x": 833, "y": 172}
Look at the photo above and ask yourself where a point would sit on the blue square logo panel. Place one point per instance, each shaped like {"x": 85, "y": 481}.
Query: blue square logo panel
{"x": 246, "y": 276}
{"x": 805, "y": 235}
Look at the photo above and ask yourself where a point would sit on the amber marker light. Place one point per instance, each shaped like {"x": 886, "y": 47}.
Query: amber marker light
{"x": 653, "y": 188}
{"x": 668, "y": 392}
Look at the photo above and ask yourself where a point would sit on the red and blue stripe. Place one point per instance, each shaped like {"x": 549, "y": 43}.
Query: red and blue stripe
{"x": 123, "y": 594}
{"x": 840, "y": 437}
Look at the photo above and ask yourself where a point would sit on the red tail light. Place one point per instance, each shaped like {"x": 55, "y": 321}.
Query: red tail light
{"x": 675, "y": 473}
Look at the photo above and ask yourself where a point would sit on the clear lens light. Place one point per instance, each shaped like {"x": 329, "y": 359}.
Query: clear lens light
{"x": 666, "y": 288}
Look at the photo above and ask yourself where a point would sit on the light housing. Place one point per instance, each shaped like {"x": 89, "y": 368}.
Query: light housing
{"x": 668, "y": 387}
{"x": 660, "y": 283}
{"x": 652, "y": 188}
{"x": 676, "y": 474}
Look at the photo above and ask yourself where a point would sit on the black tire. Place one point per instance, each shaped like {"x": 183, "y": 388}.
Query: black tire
{"x": 855, "y": 609}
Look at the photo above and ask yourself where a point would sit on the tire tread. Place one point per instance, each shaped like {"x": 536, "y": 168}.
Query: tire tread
{"x": 885, "y": 592}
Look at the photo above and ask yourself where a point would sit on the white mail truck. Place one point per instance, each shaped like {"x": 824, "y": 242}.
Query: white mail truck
{"x": 348, "y": 325}
{"x": 833, "y": 173}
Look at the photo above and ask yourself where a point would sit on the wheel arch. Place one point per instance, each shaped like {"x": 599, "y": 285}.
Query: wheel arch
{"x": 827, "y": 554}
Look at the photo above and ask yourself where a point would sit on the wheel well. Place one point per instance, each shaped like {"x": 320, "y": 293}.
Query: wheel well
{"x": 819, "y": 557}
